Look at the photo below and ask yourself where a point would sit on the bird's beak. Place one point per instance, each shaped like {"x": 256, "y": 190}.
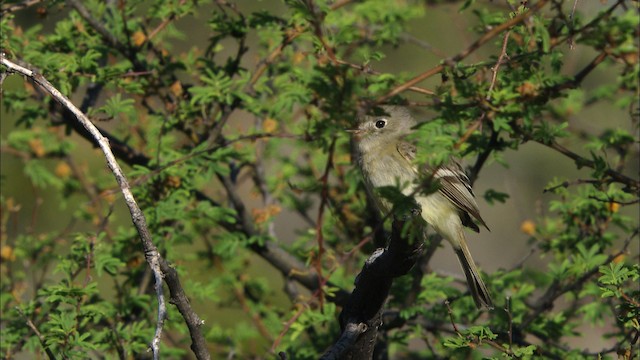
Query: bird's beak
{"x": 356, "y": 133}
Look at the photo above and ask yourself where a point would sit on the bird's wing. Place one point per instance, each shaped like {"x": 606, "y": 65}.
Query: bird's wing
{"x": 408, "y": 152}
{"x": 454, "y": 185}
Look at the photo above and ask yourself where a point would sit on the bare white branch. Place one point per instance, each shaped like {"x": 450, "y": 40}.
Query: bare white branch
{"x": 150, "y": 250}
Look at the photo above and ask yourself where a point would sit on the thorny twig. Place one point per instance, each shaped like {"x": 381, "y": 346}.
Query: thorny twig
{"x": 324, "y": 195}
{"x": 450, "y": 312}
{"x": 164, "y": 23}
{"x": 41, "y": 338}
{"x": 566, "y": 184}
{"x": 573, "y": 10}
{"x": 368, "y": 70}
{"x": 581, "y": 161}
{"x": 501, "y": 58}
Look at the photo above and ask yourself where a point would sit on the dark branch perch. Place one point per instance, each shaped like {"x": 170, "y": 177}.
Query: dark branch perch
{"x": 361, "y": 316}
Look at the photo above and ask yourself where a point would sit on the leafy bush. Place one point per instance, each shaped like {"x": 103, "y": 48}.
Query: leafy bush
{"x": 224, "y": 139}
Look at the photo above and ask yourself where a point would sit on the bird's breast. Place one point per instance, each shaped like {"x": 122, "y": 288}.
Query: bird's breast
{"x": 388, "y": 170}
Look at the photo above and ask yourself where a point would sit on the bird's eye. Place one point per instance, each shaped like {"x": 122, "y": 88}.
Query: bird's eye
{"x": 381, "y": 123}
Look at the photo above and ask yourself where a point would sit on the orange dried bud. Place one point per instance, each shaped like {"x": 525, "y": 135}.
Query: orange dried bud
{"x": 618, "y": 259}
{"x": 631, "y": 58}
{"x": 350, "y": 216}
{"x": 527, "y": 89}
{"x": 7, "y": 253}
{"x": 12, "y": 206}
{"x": 343, "y": 159}
{"x": 63, "y": 170}
{"x": 298, "y": 57}
{"x": 260, "y": 216}
{"x": 176, "y": 88}
{"x": 238, "y": 145}
{"x": 171, "y": 107}
{"x": 614, "y": 207}
{"x": 173, "y": 181}
{"x": 29, "y": 88}
{"x": 108, "y": 196}
{"x": 134, "y": 262}
{"x": 269, "y": 125}
{"x": 624, "y": 354}
{"x": 37, "y": 147}
{"x": 80, "y": 26}
{"x": 323, "y": 60}
{"x": 528, "y": 227}
{"x": 138, "y": 38}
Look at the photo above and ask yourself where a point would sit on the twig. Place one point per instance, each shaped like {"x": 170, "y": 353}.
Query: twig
{"x": 524, "y": 259}
{"x": 566, "y": 184}
{"x": 41, "y": 338}
{"x": 316, "y": 22}
{"x": 632, "y": 338}
{"x": 612, "y": 200}
{"x": 152, "y": 256}
{"x": 164, "y": 23}
{"x": 260, "y": 178}
{"x": 450, "y": 312}
{"x": 264, "y": 64}
{"x": 324, "y": 194}
{"x": 573, "y": 10}
{"x": 494, "y": 69}
{"x": 482, "y": 157}
{"x": 15, "y": 7}
{"x": 579, "y": 77}
{"x": 581, "y": 161}
{"x": 302, "y": 307}
{"x": 287, "y": 326}
{"x": 507, "y": 309}
{"x": 475, "y": 126}
{"x": 291, "y": 289}
{"x": 367, "y": 70}
{"x": 212, "y": 149}
{"x": 479, "y": 341}
{"x": 498, "y": 347}
{"x": 340, "y": 3}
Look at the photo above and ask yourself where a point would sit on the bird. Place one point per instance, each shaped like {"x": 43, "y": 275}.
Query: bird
{"x": 386, "y": 158}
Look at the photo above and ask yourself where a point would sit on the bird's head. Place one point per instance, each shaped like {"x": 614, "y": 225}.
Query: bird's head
{"x": 388, "y": 124}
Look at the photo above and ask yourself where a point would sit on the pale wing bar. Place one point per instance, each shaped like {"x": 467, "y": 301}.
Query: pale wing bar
{"x": 454, "y": 184}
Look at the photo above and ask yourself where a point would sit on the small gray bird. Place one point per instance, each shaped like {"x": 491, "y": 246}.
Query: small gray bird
{"x": 386, "y": 159}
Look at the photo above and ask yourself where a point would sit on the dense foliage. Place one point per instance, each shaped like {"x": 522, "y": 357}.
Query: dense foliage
{"x": 222, "y": 139}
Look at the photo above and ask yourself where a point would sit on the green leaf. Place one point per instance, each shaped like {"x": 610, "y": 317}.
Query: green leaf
{"x": 491, "y": 196}
{"x": 40, "y": 176}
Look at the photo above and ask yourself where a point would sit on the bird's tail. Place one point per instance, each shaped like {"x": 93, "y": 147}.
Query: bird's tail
{"x": 476, "y": 285}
